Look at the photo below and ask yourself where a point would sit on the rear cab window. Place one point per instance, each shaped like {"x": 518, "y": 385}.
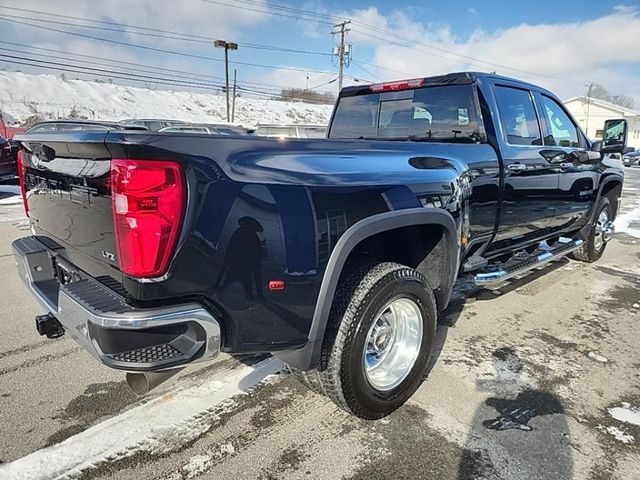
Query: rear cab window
{"x": 434, "y": 113}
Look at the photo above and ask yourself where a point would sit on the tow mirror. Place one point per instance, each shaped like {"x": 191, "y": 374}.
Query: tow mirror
{"x": 614, "y": 137}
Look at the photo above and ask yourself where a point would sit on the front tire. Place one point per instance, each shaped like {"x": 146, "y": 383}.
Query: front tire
{"x": 378, "y": 341}
{"x": 595, "y": 243}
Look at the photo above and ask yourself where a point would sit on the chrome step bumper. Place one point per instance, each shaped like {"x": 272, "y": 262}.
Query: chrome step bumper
{"x": 105, "y": 325}
{"x": 534, "y": 261}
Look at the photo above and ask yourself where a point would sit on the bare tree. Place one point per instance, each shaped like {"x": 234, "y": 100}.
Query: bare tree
{"x": 598, "y": 91}
{"x": 623, "y": 100}
{"x": 303, "y": 95}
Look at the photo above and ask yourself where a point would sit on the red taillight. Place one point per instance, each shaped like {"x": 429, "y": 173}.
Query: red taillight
{"x": 23, "y": 187}
{"x": 395, "y": 86}
{"x": 148, "y": 199}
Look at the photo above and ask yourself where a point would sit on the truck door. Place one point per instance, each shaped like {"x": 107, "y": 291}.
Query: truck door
{"x": 577, "y": 182}
{"x": 530, "y": 181}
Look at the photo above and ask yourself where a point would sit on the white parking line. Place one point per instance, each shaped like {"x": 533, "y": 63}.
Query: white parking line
{"x": 157, "y": 426}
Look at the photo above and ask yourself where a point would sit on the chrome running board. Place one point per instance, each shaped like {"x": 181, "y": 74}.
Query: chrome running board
{"x": 546, "y": 255}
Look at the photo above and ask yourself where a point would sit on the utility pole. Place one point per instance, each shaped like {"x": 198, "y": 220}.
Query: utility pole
{"x": 342, "y": 52}
{"x": 227, "y": 46}
{"x": 233, "y": 104}
{"x": 588, "y": 107}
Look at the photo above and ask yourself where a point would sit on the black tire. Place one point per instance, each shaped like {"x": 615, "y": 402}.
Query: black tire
{"x": 589, "y": 252}
{"x": 358, "y": 302}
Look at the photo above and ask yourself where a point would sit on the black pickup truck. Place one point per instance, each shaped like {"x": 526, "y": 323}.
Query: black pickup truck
{"x": 154, "y": 250}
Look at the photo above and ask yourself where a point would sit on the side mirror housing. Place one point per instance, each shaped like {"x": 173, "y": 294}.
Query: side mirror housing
{"x": 614, "y": 137}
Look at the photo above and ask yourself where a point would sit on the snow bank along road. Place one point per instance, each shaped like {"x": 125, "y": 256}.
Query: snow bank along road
{"x": 104, "y": 101}
{"x": 537, "y": 380}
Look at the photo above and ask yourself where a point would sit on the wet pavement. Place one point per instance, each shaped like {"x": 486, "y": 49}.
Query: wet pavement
{"x": 539, "y": 379}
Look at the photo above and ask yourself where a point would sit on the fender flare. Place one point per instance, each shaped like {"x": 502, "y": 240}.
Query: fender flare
{"x": 308, "y": 356}
{"x": 613, "y": 177}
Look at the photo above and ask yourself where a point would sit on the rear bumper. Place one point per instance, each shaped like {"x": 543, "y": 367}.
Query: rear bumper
{"x": 101, "y": 321}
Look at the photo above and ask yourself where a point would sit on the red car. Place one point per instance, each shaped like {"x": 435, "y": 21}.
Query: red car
{"x": 8, "y": 157}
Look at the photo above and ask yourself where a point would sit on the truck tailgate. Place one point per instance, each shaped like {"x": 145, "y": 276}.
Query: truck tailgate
{"x": 67, "y": 179}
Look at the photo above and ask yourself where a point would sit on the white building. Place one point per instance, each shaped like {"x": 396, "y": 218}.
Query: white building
{"x": 592, "y": 112}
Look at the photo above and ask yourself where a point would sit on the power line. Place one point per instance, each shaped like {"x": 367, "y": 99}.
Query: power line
{"x": 169, "y": 35}
{"x": 180, "y": 75}
{"x": 105, "y": 22}
{"x": 266, "y": 11}
{"x": 97, "y": 74}
{"x": 409, "y": 41}
{"x": 160, "y": 50}
{"x": 282, "y": 49}
{"x": 118, "y": 63}
{"x": 144, "y": 79}
{"x": 359, "y": 65}
{"x": 379, "y": 67}
{"x": 289, "y": 9}
{"x": 290, "y": 12}
{"x": 91, "y": 70}
{"x": 323, "y": 84}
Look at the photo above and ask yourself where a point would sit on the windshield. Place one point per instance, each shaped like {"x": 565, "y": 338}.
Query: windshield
{"x": 446, "y": 113}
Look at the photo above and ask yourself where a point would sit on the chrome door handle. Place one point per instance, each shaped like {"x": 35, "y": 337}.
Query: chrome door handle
{"x": 516, "y": 167}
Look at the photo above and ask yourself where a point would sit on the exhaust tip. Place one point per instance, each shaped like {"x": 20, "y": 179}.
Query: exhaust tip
{"x": 142, "y": 383}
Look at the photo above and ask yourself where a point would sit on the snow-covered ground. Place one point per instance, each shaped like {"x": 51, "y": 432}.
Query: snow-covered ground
{"x": 24, "y": 95}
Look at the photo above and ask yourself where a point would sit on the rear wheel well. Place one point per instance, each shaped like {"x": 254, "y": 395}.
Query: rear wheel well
{"x": 422, "y": 247}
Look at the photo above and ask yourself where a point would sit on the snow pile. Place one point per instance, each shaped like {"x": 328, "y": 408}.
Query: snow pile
{"x": 618, "y": 434}
{"x": 626, "y": 413}
{"x": 49, "y": 97}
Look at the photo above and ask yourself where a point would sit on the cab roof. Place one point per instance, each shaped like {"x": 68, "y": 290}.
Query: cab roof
{"x": 455, "y": 78}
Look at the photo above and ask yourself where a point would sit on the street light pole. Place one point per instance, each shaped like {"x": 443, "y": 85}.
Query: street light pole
{"x": 227, "y": 46}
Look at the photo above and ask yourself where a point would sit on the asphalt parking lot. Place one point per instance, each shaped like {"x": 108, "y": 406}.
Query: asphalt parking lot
{"x": 537, "y": 380}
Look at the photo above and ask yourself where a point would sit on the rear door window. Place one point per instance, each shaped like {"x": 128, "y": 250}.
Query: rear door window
{"x": 518, "y": 116}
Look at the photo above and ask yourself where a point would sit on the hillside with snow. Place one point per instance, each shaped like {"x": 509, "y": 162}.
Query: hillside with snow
{"x": 50, "y": 97}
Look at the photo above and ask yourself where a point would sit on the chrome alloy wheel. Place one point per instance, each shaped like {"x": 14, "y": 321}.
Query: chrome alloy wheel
{"x": 604, "y": 230}
{"x": 393, "y": 344}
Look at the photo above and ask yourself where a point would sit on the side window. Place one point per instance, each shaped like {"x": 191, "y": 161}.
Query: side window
{"x": 518, "y": 116}
{"x": 562, "y": 132}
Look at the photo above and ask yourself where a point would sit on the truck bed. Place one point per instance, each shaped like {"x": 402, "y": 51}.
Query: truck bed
{"x": 298, "y": 196}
